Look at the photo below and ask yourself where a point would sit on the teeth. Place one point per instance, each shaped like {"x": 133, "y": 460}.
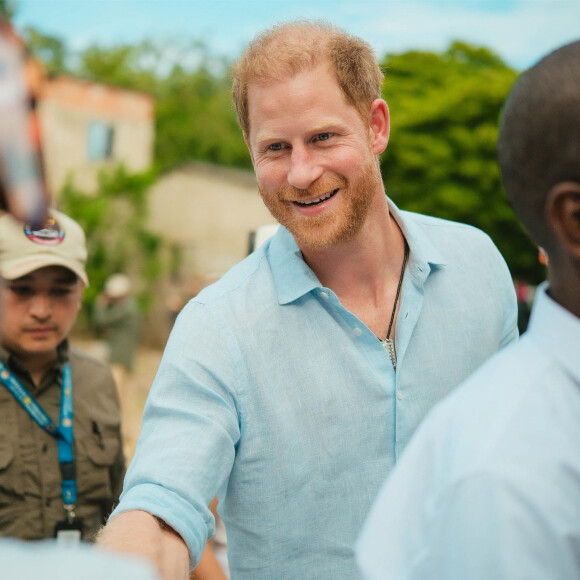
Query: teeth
{"x": 320, "y": 199}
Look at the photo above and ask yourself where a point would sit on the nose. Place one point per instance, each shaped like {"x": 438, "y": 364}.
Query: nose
{"x": 41, "y": 306}
{"x": 304, "y": 169}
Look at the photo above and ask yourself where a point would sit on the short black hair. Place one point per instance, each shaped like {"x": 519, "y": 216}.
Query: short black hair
{"x": 539, "y": 138}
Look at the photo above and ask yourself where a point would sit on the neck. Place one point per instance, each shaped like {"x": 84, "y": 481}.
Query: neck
{"x": 37, "y": 365}
{"x": 364, "y": 273}
{"x": 565, "y": 289}
{"x": 369, "y": 260}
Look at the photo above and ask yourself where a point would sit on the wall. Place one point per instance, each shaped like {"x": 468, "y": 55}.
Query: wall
{"x": 67, "y": 108}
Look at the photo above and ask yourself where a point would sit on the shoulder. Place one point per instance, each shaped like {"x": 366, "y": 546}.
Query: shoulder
{"x": 228, "y": 307}
{"x": 89, "y": 368}
{"x": 476, "y": 458}
{"x": 79, "y": 357}
{"x": 442, "y": 231}
{"x": 246, "y": 276}
{"x": 480, "y": 424}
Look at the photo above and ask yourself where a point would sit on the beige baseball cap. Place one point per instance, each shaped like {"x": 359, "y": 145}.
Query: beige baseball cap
{"x": 23, "y": 249}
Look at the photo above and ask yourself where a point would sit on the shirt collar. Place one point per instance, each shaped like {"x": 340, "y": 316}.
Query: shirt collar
{"x": 423, "y": 253}
{"x": 556, "y": 330}
{"x": 293, "y": 278}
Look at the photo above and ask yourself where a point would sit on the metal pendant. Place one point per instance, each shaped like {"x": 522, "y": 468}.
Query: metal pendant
{"x": 389, "y": 346}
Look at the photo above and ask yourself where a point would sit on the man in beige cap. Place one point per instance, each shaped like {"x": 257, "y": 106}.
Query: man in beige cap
{"x": 61, "y": 457}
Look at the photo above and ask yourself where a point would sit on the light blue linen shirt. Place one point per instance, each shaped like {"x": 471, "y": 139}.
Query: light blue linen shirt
{"x": 273, "y": 395}
{"x": 489, "y": 487}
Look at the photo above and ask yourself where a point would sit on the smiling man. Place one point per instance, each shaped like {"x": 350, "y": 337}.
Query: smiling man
{"x": 61, "y": 460}
{"x": 290, "y": 387}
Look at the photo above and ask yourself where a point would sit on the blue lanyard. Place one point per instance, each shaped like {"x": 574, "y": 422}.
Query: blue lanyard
{"x": 63, "y": 432}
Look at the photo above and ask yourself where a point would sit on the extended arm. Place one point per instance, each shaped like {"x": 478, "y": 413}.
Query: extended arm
{"x": 141, "y": 534}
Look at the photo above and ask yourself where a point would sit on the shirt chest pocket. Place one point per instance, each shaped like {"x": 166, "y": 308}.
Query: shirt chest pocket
{"x": 94, "y": 464}
{"x": 10, "y": 476}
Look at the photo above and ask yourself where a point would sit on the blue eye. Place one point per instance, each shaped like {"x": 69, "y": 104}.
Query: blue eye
{"x": 324, "y": 136}
{"x": 275, "y": 147}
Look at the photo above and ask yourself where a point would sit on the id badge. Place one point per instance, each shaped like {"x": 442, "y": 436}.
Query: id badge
{"x": 68, "y": 533}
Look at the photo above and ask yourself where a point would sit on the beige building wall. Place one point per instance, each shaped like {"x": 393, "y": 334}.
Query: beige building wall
{"x": 209, "y": 212}
{"x": 68, "y": 107}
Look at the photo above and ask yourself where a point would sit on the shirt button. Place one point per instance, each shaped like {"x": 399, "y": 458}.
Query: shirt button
{"x": 399, "y": 395}
{"x": 357, "y": 331}
{"x": 324, "y": 295}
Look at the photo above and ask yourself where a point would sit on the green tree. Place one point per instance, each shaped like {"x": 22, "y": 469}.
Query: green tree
{"x": 7, "y": 9}
{"x": 114, "y": 221}
{"x": 196, "y": 120}
{"x": 441, "y": 159}
{"x": 49, "y": 49}
{"x": 194, "y": 115}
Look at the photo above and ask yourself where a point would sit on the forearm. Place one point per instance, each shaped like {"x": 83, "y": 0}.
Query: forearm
{"x": 208, "y": 567}
{"x": 139, "y": 533}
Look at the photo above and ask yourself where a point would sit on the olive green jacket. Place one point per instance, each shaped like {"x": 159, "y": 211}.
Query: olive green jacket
{"x": 30, "y": 480}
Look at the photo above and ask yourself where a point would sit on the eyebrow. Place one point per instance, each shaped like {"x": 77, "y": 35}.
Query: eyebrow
{"x": 69, "y": 279}
{"x": 326, "y": 126}
{"x": 66, "y": 281}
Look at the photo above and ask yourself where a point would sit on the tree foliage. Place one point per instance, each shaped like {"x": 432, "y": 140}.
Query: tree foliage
{"x": 194, "y": 113}
{"x": 114, "y": 223}
{"x": 444, "y": 107}
{"x": 7, "y": 9}
{"x": 50, "y": 49}
{"x": 441, "y": 158}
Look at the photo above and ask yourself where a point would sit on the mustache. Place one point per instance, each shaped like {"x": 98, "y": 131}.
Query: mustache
{"x": 317, "y": 189}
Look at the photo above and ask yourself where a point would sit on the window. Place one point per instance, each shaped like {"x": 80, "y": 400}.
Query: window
{"x": 99, "y": 141}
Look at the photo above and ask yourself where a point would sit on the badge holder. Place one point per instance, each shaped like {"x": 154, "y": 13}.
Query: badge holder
{"x": 68, "y": 532}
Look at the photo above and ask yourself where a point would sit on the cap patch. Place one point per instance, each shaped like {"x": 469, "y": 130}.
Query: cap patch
{"x": 51, "y": 234}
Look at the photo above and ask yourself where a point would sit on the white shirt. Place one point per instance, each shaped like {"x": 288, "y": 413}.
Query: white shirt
{"x": 47, "y": 560}
{"x": 489, "y": 487}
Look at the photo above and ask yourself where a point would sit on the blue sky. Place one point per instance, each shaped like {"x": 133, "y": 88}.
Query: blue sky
{"x": 520, "y": 31}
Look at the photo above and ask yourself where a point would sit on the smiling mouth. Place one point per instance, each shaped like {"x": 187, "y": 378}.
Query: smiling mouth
{"x": 317, "y": 200}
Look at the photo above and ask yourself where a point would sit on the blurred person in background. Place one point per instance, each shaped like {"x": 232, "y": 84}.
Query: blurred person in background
{"x": 117, "y": 320}
{"x": 489, "y": 487}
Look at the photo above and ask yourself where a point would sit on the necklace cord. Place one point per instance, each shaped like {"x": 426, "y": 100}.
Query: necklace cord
{"x": 405, "y": 258}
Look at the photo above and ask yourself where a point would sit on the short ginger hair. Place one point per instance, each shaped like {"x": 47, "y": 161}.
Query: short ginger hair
{"x": 289, "y": 48}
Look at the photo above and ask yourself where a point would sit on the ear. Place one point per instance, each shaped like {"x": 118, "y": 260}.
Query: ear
{"x": 563, "y": 213}
{"x": 380, "y": 126}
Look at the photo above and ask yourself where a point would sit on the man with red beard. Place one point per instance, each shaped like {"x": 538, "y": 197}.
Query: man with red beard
{"x": 290, "y": 387}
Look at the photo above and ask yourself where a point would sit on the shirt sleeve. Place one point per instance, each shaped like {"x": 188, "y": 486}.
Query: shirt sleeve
{"x": 190, "y": 429}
